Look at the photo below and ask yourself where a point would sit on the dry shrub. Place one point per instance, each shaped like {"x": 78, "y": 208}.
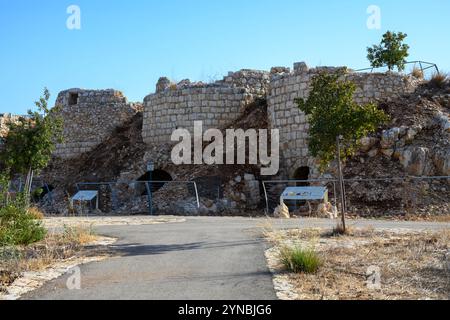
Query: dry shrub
{"x": 36, "y": 213}
{"x": 417, "y": 73}
{"x": 439, "y": 80}
{"x": 78, "y": 234}
{"x": 340, "y": 231}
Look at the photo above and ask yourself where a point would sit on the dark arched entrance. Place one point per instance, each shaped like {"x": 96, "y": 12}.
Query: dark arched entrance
{"x": 302, "y": 174}
{"x": 160, "y": 176}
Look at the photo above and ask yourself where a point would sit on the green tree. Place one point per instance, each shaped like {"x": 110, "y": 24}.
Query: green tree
{"x": 391, "y": 51}
{"x": 31, "y": 140}
{"x": 337, "y": 122}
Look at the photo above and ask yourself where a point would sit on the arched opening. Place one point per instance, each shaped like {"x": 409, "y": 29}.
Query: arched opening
{"x": 302, "y": 174}
{"x": 158, "y": 175}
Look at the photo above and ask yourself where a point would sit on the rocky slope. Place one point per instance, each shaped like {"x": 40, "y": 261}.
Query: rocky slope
{"x": 415, "y": 143}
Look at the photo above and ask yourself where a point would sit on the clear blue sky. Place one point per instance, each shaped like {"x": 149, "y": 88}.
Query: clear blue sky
{"x": 128, "y": 45}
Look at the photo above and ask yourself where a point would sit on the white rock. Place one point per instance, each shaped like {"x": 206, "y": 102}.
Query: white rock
{"x": 282, "y": 211}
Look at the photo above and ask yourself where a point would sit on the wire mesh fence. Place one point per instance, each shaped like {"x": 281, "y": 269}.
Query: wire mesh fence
{"x": 402, "y": 196}
{"x": 427, "y": 69}
{"x": 363, "y": 197}
{"x": 145, "y": 197}
{"x": 273, "y": 190}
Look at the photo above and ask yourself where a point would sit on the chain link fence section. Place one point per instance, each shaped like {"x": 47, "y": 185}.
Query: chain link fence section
{"x": 403, "y": 196}
{"x": 146, "y": 197}
{"x": 372, "y": 197}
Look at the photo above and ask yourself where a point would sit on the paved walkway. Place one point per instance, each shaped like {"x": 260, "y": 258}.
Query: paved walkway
{"x": 202, "y": 258}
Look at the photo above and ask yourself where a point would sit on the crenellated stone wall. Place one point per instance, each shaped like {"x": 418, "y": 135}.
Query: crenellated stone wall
{"x": 293, "y": 124}
{"x": 89, "y": 117}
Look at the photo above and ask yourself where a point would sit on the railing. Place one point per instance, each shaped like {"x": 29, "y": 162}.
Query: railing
{"x": 150, "y": 187}
{"x": 347, "y": 182}
{"x": 423, "y": 66}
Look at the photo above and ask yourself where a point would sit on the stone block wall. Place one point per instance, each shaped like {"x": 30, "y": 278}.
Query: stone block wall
{"x": 254, "y": 81}
{"x": 176, "y": 106}
{"x": 293, "y": 124}
{"x": 90, "y": 116}
{"x": 6, "y": 118}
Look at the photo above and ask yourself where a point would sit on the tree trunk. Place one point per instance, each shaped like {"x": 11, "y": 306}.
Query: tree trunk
{"x": 27, "y": 188}
{"x": 341, "y": 184}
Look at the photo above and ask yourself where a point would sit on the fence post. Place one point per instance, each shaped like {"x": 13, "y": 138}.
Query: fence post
{"x": 196, "y": 194}
{"x": 267, "y": 199}
{"x": 149, "y": 197}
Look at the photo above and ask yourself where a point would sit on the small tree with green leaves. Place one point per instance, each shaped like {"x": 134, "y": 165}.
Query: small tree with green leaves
{"x": 333, "y": 114}
{"x": 31, "y": 140}
{"x": 391, "y": 51}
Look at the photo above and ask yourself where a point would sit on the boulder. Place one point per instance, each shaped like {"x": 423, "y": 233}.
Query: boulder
{"x": 390, "y": 137}
{"x": 441, "y": 160}
{"x": 411, "y": 133}
{"x": 367, "y": 143}
{"x": 327, "y": 210}
{"x": 416, "y": 161}
{"x": 388, "y": 152}
{"x": 443, "y": 121}
{"x": 373, "y": 153}
{"x": 282, "y": 211}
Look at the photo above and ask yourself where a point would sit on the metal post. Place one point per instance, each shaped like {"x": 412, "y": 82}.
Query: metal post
{"x": 196, "y": 195}
{"x": 341, "y": 181}
{"x": 267, "y": 200}
{"x": 150, "y": 194}
{"x": 149, "y": 197}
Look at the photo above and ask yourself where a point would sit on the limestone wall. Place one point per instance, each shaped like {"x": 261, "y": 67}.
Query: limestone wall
{"x": 167, "y": 111}
{"x": 179, "y": 105}
{"x": 6, "y": 118}
{"x": 292, "y": 123}
{"x": 94, "y": 114}
{"x": 89, "y": 117}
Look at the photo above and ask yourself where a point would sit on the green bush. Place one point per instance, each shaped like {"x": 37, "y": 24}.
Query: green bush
{"x": 18, "y": 227}
{"x": 300, "y": 260}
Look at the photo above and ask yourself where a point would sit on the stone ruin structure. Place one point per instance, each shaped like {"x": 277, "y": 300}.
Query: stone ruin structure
{"x": 89, "y": 117}
{"x": 92, "y": 115}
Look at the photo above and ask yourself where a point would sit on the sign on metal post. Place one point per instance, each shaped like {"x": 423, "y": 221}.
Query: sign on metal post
{"x": 85, "y": 196}
{"x": 305, "y": 193}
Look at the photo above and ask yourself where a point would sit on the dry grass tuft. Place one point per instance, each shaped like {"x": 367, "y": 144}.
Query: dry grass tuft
{"x": 339, "y": 231}
{"x": 417, "y": 73}
{"x": 36, "y": 213}
{"x": 299, "y": 260}
{"x": 439, "y": 80}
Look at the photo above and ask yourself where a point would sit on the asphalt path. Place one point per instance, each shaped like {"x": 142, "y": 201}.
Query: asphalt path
{"x": 204, "y": 258}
